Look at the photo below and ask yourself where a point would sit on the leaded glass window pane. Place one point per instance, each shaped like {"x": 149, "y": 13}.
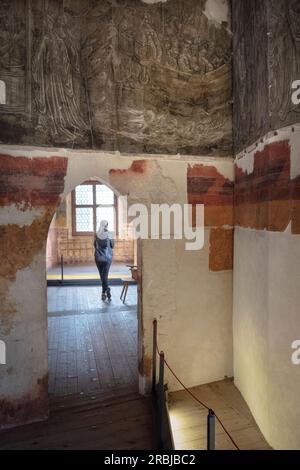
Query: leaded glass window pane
{"x": 84, "y": 194}
{"x": 106, "y": 213}
{"x": 104, "y": 195}
{"x": 84, "y": 219}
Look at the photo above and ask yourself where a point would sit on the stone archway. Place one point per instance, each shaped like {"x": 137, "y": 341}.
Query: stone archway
{"x": 137, "y": 308}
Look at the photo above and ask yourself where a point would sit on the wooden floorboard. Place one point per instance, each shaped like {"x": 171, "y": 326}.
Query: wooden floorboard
{"x": 92, "y": 344}
{"x": 94, "y": 402}
{"x": 188, "y": 418}
{"x": 119, "y": 419}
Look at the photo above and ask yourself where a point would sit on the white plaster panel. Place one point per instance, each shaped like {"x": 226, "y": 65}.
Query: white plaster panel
{"x": 217, "y": 11}
{"x": 265, "y": 323}
{"x": 250, "y": 319}
{"x": 284, "y": 328}
{"x": 194, "y": 311}
{"x": 266, "y": 317}
{"x": 14, "y": 214}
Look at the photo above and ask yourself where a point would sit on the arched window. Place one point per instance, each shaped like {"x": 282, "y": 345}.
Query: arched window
{"x": 2, "y": 92}
{"x": 92, "y": 202}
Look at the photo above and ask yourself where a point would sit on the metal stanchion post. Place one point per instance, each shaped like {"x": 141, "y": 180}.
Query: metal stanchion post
{"x": 62, "y": 269}
{"x": 161, "y": 392}
{"x": 211, "y": 430}
{"x": 154, "y": 355}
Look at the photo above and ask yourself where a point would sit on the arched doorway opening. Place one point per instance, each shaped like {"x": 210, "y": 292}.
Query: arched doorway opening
{"x": 92, "y": 344}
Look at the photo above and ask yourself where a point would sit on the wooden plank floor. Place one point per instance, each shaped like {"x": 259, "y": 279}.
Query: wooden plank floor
{"x": 94, "y": 400}
{"x": 92, "y": 344}
{"x": 118, "y": 419}
{"x": 188, "y": 418}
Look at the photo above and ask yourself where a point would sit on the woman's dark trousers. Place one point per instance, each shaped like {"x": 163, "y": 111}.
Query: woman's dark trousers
{"x": 103, "y": 268}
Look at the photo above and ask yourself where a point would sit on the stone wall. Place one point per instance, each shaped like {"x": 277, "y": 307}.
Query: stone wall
{"x": 266, "y": 243}
{"x": 131, "y": 76}
{"x": 190, "y": 293}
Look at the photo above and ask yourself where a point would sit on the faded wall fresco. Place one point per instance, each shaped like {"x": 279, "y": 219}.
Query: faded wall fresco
{"x": 266, "y": 60}
{"x": 116, "y": 75}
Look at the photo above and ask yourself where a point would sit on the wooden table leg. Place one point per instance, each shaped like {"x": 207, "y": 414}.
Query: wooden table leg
{"x": 125, "y": 293}
{"x": 124, "y": 285}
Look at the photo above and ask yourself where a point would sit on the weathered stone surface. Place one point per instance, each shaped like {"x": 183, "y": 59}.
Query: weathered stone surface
{"x": 283, "y": 60}
{"x": 117, "y": 75}
{"x": 250, "y": 77}
{"x": 266, "y": 60}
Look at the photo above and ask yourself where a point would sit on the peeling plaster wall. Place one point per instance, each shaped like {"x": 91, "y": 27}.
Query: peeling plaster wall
{"x": 266, "y": 60}
{"x": 266, "y": 284}
{"x": 30, "y": 191}
{"x": 190, "y": 295}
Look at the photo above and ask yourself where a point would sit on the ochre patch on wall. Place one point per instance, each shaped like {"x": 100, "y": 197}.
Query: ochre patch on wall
{"x": 220, "y": 249}
{"x": 267, "y": 198}
{"x": 8, "y": 309}
{"x": 138, "y": 166}
{"x": 205, "y": 185}
{"x": 35, "y": 182}
{"x": 19, "y": 245}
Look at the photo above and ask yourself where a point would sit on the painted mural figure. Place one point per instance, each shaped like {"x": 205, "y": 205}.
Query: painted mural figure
{"x": 12, "y": 54}
{"x": 7, "y": 45}
{"x": 150, "y": 44}
{"x": 184, "y": 57}
{"x": 294, "y": 20}
{"x": 172, "y": 52}
{"x": 55, "y": 65}
{"x": 11, "y": 36}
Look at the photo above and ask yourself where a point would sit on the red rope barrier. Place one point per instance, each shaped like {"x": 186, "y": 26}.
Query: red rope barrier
{"x": 199, "y": 401}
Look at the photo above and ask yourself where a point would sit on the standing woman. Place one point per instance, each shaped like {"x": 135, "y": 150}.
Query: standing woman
{"x": 104, "y": 245}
